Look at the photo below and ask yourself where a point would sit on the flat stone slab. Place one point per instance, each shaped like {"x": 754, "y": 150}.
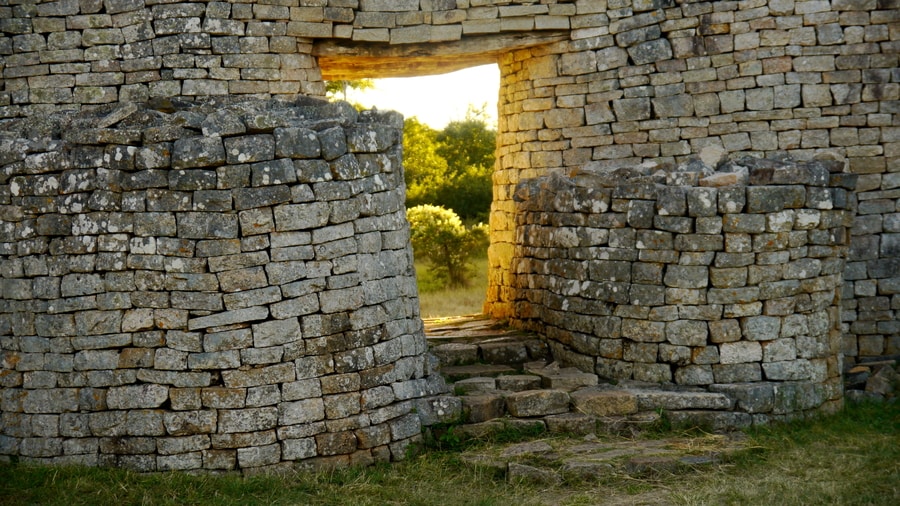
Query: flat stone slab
{"x": 561, "y": 378}
{"x": 475, "y": 385}
{"x": 652, "y": 463}
{"x": 531, "y": 474}
{"x": 507, "y": 352}
{"x": 627, "y": 423}
{"x": 537, "y": 403}
{"x": 518, "y": 382}
{"x": 455, "y": 353}
{"x": 651, "y": 400}
{"x": 483, "y": 407}
{"x": 575, "y": 470}
{"x": 527, "y": 448}
{"x": 714, "y": 420}
{"x": 571, "y": 423}
{"x": 600, "y": 402}
{"x": 484, "y": 429}
{"x": 460, "y": 372}
{"x": 591, "y": 458}
{"x": 570, "y": 379}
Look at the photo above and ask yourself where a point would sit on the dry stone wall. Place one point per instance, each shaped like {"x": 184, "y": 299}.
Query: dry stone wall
{"x": 725, "y": 280}
{"x": 663, "y": 81}
{"x": 584, "y": 83}
{"x": 224, "y": 287}
{"x": 70, "y": 53}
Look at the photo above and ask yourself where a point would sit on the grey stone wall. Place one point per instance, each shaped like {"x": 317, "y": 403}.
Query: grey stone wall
{"x": 726, "y": 280}
{"x": 228, "y": 286}
{"x": 614, "y": 82}
{"x": 663, "y": 81}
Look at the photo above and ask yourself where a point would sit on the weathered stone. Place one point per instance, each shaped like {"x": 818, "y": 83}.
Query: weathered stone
{"x": 139, "y": 396}
{"x": 247, "y": 420}
{"x": 650, "y": 400}
{"x": 599, "y": 402}
{"x": 537, "y": 403}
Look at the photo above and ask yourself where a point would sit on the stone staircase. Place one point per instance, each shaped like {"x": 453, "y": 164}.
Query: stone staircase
{"x": 507, "y": 377}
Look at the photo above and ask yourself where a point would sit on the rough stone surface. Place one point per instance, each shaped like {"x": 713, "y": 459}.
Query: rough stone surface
{"x": 155, "y": 228}
{"x": 177, "y": 269}
{"x": 537, "y": 403}
{"x": 722, "y": 300}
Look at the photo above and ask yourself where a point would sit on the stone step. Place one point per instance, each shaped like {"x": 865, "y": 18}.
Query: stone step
{"x": 590, "y": 459}
{"x": 450, "y": 354}
{"x": 476, "y": 385}
{"x": 513, "y": 388}
{"x": 600, "y": 402}
{"x": 711, "y": 420}
{"x": 518, "y": 382}
{"x": 458, "y": 372}
{"x": 531, "y": 403}
{"x": 483, "y": 407}
{"x": 561, "y": 378}
{"x": 502, "y": 351}
{"x": 650, "y": 400}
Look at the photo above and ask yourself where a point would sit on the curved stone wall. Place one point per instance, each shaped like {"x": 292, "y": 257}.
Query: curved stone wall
{"x": 663, "y": 81}
{"x": 691, "y": 277}
{"x": 227, "y": 286}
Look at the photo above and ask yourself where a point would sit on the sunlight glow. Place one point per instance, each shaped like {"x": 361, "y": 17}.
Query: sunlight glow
{"x": 435, "y": 100}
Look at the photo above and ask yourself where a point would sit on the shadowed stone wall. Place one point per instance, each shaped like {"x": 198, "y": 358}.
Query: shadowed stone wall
{"x": 225, "y": 287}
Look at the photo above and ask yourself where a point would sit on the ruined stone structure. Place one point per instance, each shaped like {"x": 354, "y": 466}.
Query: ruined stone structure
{"x": 585, "y": 85}
{"x": 725, "y": 280}
{"x": 226, "y": 287}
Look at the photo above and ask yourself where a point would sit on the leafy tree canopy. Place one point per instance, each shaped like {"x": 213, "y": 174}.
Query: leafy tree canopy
{"x": 333, "y": 88}
{"x": 469, "y": 142}
{"x": 451, "y": 167}
{"x": 438, "y": 235}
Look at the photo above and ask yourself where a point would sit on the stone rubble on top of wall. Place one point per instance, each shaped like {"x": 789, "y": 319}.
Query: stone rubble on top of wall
{"x": 226, "y": 285}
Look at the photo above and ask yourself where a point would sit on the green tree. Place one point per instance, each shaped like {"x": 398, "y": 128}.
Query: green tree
{"x": 332, "y": 88}
{"x": 470, "y": 142}
{"x": 425, "y": 169}
{"x": 438, "y": 235}
{"x": 451, "y": 167}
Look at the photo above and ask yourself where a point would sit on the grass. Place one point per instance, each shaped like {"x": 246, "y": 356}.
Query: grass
{"x": 852, "y": 458}
{"x": 436, "y": 301}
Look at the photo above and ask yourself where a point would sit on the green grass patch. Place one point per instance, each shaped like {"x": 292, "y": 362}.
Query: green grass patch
{"x": 852, "y": 458}
{"x": 436, "y": 301}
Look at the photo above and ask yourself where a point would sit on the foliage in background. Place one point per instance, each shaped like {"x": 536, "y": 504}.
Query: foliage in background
{"x": 451, "y": 167}
{"x": 332, "y": 88}
{"x": 439, "y": 236}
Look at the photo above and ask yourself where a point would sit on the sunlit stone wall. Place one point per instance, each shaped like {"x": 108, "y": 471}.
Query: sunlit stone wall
{"x": 228, "y": 286}
{"x": 726, "y": 280}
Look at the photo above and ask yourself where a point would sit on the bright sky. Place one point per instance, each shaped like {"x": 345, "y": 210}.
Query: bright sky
{"x": 435, "y": 100}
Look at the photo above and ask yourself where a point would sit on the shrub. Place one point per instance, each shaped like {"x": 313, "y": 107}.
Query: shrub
{"x": 439, "y": 236}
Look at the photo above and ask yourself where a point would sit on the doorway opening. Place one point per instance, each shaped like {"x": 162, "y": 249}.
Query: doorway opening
{"x": 450, "y": 128}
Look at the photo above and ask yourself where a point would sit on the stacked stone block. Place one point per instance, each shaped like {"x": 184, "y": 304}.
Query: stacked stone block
{"x": 228, "y": 286}
{"x": 663, "y": 81}
{"x": 68, "y": 53}
{"x": 690, "y": 277}
{"x": 621, "y": 83}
